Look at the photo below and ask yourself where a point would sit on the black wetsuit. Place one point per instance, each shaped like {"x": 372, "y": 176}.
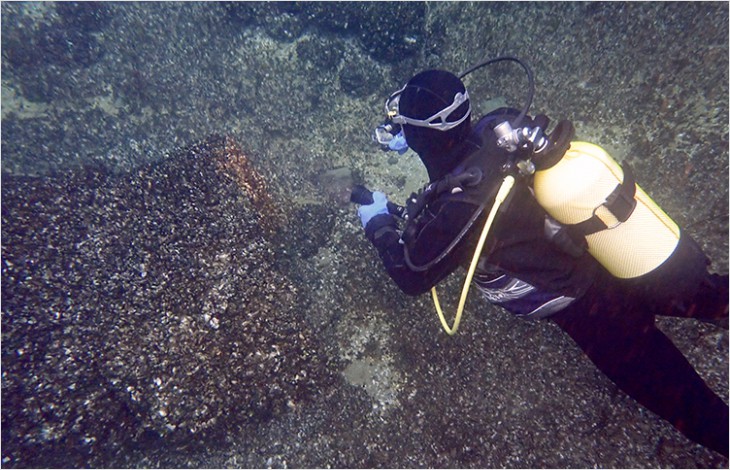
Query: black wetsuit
{"x": 529, "y": 275}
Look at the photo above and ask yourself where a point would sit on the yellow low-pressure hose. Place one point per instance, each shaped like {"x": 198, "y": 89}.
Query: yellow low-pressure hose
{"x": 502, "y": 194}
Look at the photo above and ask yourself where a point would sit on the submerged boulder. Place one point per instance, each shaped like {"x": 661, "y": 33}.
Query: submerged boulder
{"x": 145, "y": 309}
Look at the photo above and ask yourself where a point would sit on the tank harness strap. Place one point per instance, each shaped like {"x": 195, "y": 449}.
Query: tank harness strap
{"x": 621, "y": 203}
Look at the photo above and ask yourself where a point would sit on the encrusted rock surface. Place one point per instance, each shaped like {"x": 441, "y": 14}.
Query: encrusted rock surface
{"x": 161, "y": 310}
{"x": 142, "y": 310}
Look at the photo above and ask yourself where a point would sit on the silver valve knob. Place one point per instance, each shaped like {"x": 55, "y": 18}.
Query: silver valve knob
{"x": 511, "y": 139}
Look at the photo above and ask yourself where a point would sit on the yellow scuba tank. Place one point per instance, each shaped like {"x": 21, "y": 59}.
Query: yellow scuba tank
{"x": 625, "y": 230}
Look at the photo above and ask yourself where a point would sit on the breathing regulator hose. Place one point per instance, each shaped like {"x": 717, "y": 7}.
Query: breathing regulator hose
{"x": 504, "y": 190}
{"x": 362, "y": 195}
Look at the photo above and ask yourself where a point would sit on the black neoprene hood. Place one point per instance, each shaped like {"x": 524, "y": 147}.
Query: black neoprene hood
{"x": 426, "y": 94}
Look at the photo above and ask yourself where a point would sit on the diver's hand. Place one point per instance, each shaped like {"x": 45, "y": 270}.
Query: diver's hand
{"x": 378, "y": 206}
{"x": 398, "y": 143}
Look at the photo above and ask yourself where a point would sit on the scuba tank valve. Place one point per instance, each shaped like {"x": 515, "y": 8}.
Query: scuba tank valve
{"x": 531, "y": 139}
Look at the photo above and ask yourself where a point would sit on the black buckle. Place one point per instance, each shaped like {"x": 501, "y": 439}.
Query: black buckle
{"x": 621, "y": 201}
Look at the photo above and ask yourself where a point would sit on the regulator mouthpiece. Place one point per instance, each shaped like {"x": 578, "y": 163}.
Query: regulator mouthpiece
{"x": 390, "y": 137}
{"x": 386, "y": 132}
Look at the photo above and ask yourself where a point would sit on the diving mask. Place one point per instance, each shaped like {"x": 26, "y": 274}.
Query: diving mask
{"x": 438, "y": 121}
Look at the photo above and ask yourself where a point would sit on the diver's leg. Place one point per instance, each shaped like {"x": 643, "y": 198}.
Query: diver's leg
{"x": 624, "y": 344}
{"x": 709, "y": 303}
{"x": 682, "y": 286}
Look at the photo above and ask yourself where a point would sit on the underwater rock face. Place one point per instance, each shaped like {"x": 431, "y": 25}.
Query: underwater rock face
{"x": 143, "y": 309}
{"x": 388, "y": 31}
{"x": 639, "y": 78}
{"x": 64, "y": 41}
{"x": 360, "y": 78}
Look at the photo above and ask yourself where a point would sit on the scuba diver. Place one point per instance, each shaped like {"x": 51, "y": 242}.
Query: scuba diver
{"x": 600, "y": 275}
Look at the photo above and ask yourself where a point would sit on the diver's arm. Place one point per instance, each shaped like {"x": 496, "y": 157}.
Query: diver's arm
{"x": 432, "y": 240}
